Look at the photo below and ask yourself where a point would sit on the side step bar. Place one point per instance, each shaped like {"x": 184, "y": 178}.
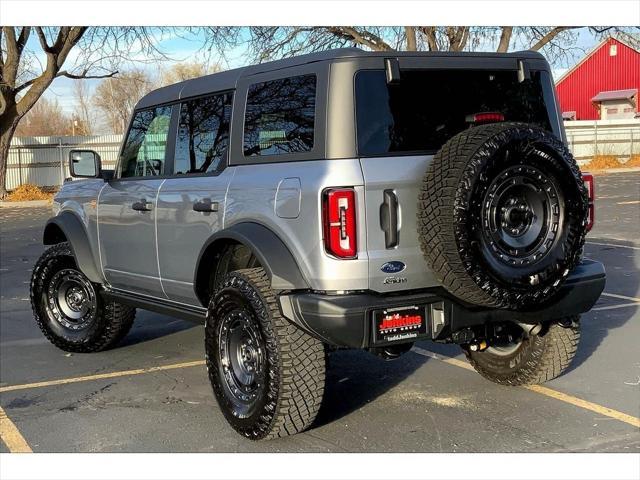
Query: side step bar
{"x": 158, "y": 305}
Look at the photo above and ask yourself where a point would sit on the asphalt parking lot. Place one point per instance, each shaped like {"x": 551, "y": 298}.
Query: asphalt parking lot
{"x": 151, "y": 393}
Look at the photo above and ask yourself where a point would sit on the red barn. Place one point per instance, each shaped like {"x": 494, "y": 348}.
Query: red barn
{"x": 602, "y": 85}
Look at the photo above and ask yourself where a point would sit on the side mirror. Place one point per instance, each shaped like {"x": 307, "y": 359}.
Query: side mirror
{"x": 85, "y": 164}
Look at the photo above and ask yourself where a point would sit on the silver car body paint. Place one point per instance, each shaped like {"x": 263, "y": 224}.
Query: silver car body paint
{"x": 182, "y": 231}
{"x": 155, "y": 253}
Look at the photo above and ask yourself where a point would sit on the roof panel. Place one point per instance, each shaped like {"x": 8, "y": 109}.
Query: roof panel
{"x": 229, "y": 78}
{"x": 615, "y": 95}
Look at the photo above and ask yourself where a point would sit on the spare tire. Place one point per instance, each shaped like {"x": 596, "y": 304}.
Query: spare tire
{"x": 502, "y": 215}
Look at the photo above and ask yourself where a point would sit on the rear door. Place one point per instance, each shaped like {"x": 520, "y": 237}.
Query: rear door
{"x": 127, "y": 206}
{"x": 191, "y": 202}
{"x": 402, "y": 124}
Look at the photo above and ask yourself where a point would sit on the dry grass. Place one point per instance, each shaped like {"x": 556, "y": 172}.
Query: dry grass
{"x": 27, "y": 192}
{"x": 602, "y": 162}
{"x": 634, "y": 161}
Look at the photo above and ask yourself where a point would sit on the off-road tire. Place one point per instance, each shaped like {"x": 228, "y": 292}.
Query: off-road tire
{"x": 453, "y": 231}
{"x": 538, "y": 359}
{"x": 111, "y": 320}
{"x": 292, "y": 381}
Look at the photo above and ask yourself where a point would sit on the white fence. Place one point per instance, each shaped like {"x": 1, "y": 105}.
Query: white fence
{"x": 43, "y": 160}
{"x": 587, "y": 138}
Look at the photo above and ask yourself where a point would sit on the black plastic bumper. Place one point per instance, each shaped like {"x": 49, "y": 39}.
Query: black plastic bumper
{"x": 345, "y": 320}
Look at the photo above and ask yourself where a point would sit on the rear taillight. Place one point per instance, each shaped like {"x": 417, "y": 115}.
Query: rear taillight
{"x": 589, "y": 182}
{"x": 339, "y": 218}
{"x": 485, "y": 117}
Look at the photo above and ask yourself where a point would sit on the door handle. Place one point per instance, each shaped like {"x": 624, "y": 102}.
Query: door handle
{"x": 389, "y": 219}
{"x": 205, "y": 205}
{"x": 142, "y": 206}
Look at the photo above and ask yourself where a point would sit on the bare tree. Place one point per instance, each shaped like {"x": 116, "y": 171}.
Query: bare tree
{"x": 117, "y": 96}
{"x": 84, "y": 113}
{"x": 267, "y": 43}
{"x": 45, "y": 118}
{"x": 179, "y": 72}
{"x": 72, "y": 52}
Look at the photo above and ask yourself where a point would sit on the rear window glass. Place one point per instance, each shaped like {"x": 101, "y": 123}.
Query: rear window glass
{"x": 428, "y": 107}
{"x": 280, "y": 116}
{"x": 203, "y": 134}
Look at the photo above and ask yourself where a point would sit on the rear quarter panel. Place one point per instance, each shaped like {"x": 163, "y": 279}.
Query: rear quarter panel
{"x": 252, "y": 198}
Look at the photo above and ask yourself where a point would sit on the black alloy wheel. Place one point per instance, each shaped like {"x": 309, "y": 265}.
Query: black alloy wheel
{"x": 241, "y": 360}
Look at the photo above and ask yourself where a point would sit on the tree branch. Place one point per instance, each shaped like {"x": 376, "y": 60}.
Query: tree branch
{"x": 43, "y": 40}
{"x": 548, "y": 37}
{"x": 22, "y": 39}
{"x": 12, "y": 62}
{"x": 430, "y": 34}
{"x": 84, "y": 75}
{"x": 365, "y": 38}
{"x": 63, "y": 73}
{"x": 505, "y": 39}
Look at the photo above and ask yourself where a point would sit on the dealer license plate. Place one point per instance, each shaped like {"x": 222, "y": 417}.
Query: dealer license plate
{"x": 399, "y": 325}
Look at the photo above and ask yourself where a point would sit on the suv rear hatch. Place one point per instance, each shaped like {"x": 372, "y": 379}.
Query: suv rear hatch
{"x": 403, "y": 120}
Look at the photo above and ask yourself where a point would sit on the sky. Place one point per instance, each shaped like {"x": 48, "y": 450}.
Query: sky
{"x": 182, "y": 49}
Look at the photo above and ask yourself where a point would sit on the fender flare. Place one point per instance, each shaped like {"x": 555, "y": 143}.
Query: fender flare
{"x": 272, "y": 253}
{"x": 76, "y": 234}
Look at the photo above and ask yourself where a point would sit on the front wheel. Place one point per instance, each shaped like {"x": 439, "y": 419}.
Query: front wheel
{"x": 268, "y": 376}
{"x": 530, "y": 359}
{"x": 68, "y": 307}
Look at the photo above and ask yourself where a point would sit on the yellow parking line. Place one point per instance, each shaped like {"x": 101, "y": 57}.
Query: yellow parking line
{"x": 578, "y": 402}
{"x": 100, "y": 376}
{"x": 443, "y": 358}
{"x": 613, "y": 245}
{"x": 615, "y": 307}
{"x": 563, "y": 397}
{"x": 10, "y": 435}
{"x": 621, "y": 297}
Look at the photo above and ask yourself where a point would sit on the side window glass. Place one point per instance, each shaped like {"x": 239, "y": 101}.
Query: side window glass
{"x": 144, "y": 150}
{"x": 203, "y": 134}
{"x": 279, "y": 116}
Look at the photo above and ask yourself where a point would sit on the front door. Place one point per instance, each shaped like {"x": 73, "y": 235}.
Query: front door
{"x": 127, "y": 206}
{"x": 191, "y": 203}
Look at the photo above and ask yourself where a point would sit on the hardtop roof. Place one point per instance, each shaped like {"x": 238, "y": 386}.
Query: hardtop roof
{"x": 227, "y": 80}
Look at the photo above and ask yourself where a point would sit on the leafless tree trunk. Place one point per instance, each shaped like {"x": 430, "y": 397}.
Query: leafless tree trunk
{"x": 412, "y": 44}
{"x": 505, "y": 39}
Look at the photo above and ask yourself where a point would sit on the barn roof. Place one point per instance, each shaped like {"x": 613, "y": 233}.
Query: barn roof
{"x": 590, "y": 53}
{"x": 615, "y": 95}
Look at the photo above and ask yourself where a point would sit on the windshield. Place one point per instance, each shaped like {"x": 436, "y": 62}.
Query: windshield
{"x": 428, "y": 107}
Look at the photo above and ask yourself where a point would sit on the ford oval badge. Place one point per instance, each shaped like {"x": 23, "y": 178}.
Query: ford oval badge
{"x": 393, "y": 267}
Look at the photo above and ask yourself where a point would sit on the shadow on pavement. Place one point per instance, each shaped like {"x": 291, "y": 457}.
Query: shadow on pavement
{"x": 623, "y": 277}
{"x": 153, "y": 326}
{"x": 355, "y": 378}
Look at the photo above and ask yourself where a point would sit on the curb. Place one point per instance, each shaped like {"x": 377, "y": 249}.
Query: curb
{"x": 26, "y": 204}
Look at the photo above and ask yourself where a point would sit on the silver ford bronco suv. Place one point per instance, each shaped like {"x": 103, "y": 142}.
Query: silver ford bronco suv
{"x": 342, "y": 199}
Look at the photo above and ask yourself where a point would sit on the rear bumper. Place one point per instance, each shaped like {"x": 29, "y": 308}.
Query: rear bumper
{"x": 346, "y": 320}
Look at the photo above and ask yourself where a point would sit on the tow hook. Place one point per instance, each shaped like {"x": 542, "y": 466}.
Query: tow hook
{"x": 478, "y": 346}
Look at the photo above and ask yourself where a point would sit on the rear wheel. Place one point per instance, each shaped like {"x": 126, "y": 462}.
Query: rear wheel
{"x": 529, "y": 359}
{"x": 267, "y": 375}
{"x": 68, "y": 307}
